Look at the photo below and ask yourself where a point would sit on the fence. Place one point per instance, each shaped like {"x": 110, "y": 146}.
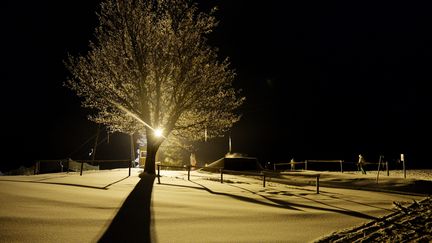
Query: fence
{"x": 325, "y": 161}
{"x": 69, "y": 163}
{"x": 263, "y": 174}
{"x": 341, "y": 163}
{"x": 306, "y": 162}
{"x": 380, "y": 164}
{"x": 187, "y": 167}
{"x": 52, "y": 163}
{"x": 291, "y": 164}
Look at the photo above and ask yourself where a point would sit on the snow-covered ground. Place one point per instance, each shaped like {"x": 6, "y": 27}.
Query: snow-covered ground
{"x": 417, "y": 174}
{"x": 71, "y": 208}
{"x": 410, "y": 224}
{"x": 61, "y": 207}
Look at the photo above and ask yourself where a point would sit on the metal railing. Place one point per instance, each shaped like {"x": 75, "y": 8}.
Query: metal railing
{"x": 341, "y": 162}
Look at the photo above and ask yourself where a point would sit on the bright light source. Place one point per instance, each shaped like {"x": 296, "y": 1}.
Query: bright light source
{"x": 158, "y": 132}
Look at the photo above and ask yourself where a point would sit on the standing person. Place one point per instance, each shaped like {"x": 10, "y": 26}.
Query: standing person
{"x": 192, "y": 159}
{"x": 361, "y": 163}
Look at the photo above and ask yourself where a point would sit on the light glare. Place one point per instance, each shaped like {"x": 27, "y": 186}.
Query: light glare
{"x": 158, "y": 132}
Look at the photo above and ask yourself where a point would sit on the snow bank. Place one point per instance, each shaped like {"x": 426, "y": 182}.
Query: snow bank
{"x": 409, "y": 224}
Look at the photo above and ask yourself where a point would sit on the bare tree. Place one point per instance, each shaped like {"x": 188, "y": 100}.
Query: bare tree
{"x": 150, "y": 67}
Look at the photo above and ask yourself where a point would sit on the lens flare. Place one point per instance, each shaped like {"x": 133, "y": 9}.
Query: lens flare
{"x": 158, "y": 132}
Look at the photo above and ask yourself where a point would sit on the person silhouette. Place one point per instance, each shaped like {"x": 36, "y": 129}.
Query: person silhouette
{"x": 361, "y": 163}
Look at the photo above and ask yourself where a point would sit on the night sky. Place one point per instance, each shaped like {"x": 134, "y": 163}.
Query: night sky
{"x": 322, "y": 80}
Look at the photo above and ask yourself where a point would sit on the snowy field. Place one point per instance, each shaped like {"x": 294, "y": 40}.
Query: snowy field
{"x": 108, "y": 205}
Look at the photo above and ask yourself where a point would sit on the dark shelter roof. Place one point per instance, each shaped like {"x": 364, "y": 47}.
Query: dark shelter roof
{"x": 236, "y": 163}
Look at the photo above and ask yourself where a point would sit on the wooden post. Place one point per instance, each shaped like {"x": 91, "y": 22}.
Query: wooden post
{"x": 189, "y": 169}
{"x": 158, "y": 174}
{"x": 377, "y": 179}
{"x": 221, "y": 171}
{"x": 130, "y": 166}
{"x": 82, "y": 165}
{"x": 264, "y": 179}
{"x": 317, "y": 184}
{"x": 387, "y": 169}
{"x": 379, "y": 168}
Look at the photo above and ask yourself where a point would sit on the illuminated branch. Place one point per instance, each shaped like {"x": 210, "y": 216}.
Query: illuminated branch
{"x": 152, "y": 58}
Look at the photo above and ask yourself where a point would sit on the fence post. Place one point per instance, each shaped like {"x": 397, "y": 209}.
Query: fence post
{"x": 130, "y": 166}
{"x": 264, "y": 179}
{"x": 317, "y": 183}
{"x": 158, "y": 174}
{"x": 82, "y": 165}
{"x": 189, "y": 169}
{"x": 387, "y": 169}
{"x": 221, "y": 171}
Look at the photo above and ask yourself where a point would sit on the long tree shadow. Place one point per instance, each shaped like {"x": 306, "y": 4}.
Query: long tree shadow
{"x": 332, "y": 208}
{"x": 327, "y": 194}
{"x": 55, "y": 177}
{"x": 59, "y": 183}
{"x": 43, "y": 181}
{"x": 133, "y": 222}
{"x": 360, "y": 203}
{"x": 241, "y": 198}
{"x": 115, "y": 182}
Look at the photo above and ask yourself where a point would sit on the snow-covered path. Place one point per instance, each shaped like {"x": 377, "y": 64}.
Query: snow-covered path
{"x": 70, "y": 208}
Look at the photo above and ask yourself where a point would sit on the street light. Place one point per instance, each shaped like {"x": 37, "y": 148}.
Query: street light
{"x": 158, "y": 133}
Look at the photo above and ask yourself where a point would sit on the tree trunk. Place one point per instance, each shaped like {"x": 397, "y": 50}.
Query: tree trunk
{"x": 149, "y": 166}
{"x": 152, "y": 148}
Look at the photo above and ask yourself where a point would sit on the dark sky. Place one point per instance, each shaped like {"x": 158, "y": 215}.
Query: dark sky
{"x": 322, "y": 80}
